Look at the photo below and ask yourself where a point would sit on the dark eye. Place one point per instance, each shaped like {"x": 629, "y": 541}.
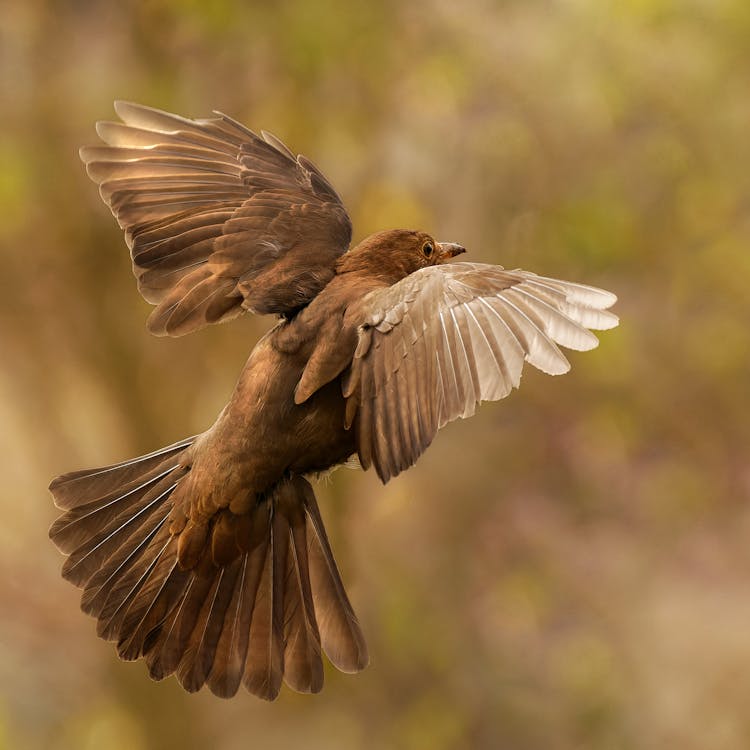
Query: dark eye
{"x": 427, "y": 249}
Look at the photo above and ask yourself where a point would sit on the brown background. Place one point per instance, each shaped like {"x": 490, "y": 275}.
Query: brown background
{"x": 570, "y": 568}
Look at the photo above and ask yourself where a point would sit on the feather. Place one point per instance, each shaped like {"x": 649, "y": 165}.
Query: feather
{"x": 165, "y": 651}
{"x": 191, "y": 193}
{"x": 158, "y": 596}
{"x": 303, "y": 667}
{"x": 340, "y": 633}
{"x": 81, "y": 487}
{"x": 124, "y": 590}
{"x": 436, "y": 343}
{"x": 265, "y": 658}
{"x": 84, "y": 561}
{"x": 230, "y": 662}
{"x": 198, "y": 659}
{"x": 540, "y": 350}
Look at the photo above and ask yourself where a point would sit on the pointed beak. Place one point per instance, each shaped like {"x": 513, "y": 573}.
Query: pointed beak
{"x": 449, "y": 250}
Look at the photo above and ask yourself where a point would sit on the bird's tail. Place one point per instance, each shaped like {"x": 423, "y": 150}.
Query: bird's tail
{"x": 259, "y": 617}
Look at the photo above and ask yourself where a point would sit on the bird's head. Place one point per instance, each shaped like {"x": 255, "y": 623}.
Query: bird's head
{"x": 395, "y": 253}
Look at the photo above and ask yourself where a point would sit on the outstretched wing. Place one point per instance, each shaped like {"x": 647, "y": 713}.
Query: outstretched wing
{"x": 218, "y": 219}
{"x": 442, "y": 340}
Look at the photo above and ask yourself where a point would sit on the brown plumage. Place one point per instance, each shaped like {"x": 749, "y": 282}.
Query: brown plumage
{"x": 209, "y": 558}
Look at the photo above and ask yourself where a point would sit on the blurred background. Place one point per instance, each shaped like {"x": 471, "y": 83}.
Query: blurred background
{"x": 568, "y": 569}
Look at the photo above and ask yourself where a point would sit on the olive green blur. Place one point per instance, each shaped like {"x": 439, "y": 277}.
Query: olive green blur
{"x": 568, "y": 569}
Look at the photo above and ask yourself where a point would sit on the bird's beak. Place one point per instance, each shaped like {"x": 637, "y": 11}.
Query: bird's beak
{"x": 449, "y": 250}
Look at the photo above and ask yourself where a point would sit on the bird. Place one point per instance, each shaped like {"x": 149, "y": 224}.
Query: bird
{"x": 208, "y": 558}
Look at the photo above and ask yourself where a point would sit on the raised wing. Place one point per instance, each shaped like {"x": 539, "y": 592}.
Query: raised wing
{"x": 442, "y": 340}
{"x": 218, "y": 219}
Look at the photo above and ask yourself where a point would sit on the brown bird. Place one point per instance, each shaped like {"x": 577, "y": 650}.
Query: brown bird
{"x": 208, "y": 557}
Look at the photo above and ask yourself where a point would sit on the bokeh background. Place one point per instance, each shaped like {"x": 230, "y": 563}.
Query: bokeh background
{"x": 568, "y": 569}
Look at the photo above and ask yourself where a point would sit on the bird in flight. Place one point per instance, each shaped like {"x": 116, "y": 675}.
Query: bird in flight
{"x": 208, "y": 558}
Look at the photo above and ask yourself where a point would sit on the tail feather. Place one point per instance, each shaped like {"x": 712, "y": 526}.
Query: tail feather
{"x": 260, "y": 605}
{"x": 97, "y": 589}
{"x": 168, "y": 653}
{"x": 73, "y": 529}
{"x": 77, "y": 487}
{"x": 265, "y": 656}
{"x": 303, "y": 666}
{"x": 127, "y": 589}
{"x": 198, "y": 659}
{"x": 341, "y": 636}
{"x": 130, "y": 527}
{"x": 227, "y": 673}
{"x": 229, "y": 659}
{"x": 158, "y": 597}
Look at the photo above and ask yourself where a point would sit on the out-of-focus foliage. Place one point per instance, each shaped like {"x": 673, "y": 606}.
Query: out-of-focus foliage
{"x": 570, "y": 568}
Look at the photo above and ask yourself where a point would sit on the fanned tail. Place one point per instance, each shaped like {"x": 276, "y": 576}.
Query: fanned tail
{"x": 263, "y": 601}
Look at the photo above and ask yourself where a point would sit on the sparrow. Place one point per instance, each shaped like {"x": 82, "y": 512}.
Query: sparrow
{"x": 208, "y": 558}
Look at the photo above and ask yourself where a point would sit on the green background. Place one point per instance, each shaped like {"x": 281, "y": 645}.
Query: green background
{"x": 568, "y": 569}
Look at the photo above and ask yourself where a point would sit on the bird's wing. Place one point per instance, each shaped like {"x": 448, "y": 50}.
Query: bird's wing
{"x": 445, "y": 338}
{"x": 218, "y": 219}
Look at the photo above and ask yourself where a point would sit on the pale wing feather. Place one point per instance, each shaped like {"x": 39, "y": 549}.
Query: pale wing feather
{"x": 436, "y": 344}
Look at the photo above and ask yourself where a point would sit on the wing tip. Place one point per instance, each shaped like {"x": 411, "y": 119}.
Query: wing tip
{"x": 123, "y": 108}
{"x": 563, "y": 370}
{"x": 552, "y": 366}
{"x": 277, "y": 144}
{"x": 609, "y": 298}
{"x": 150, "y": 118}
{"x": 106, "y": 130}
{"x": 610, "y": 322}
{"x": 591, "y": 296}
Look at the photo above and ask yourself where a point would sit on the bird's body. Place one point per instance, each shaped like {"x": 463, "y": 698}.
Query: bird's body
{"x": 209, "y": 558}
{"x": 262, "y": 434}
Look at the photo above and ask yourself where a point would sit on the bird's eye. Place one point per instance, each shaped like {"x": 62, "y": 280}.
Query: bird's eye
{"x": 427, "y": 249}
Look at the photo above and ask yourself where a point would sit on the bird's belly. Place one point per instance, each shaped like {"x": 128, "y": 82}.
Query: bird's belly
{"x": 320, "y": 440}
{"x": 262, "y": 434}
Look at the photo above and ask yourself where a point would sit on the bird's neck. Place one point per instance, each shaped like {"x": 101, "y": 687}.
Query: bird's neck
{"x": 366, "y": 265}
